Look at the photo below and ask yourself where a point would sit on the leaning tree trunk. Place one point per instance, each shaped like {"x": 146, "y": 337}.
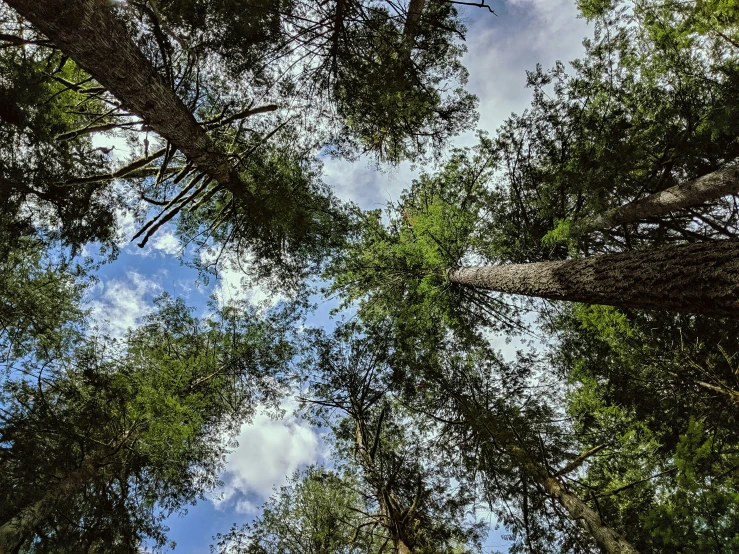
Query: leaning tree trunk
{"x": 494, "y": 432}
{"x": 21, "y": 527}
{"x": 700, "y": 277}
{"x": 89, "y": 33}
{"x": 686, "y": 195}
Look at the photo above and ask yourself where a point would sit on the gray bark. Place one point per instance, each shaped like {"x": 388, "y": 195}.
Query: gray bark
{"x": 700, "y": 277}
{"x": 686, "y": 195}
{"x": 610, "y": 541}
{"x": 89, "y": 33}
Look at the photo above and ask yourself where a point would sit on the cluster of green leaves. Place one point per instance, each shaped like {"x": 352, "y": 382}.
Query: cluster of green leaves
{"x": 102, "y": 442}
{"x": 662, "y": 390}
{"x": 348, "y": 64}
{"x": 650, "y": 105}
{"x": 37, "y": 106}
{"x": 395, "y": 265}
{"x": 317, "y": 511}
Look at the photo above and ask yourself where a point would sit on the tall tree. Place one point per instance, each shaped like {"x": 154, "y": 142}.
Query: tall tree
{"x": 692, "y": 194}
{"x": 411, "y": 495}
{"x": 99, "y": 445}
{"x": 418, "y": 265}
{"x": 651, "y": 106}
{"x": 474, "y": 426}
{"x": 318, "y": 511}
{"x": 661, "y": 388}
{"x": 343, "y": 53}
{"x": 497, "y": 430}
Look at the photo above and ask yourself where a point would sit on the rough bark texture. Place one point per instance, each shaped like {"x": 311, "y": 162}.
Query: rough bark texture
{"x": 700, "y": 277}
{"x": 687, "y": 195}
{"x": 394, "y": 518}
{"x": 89, "y": 33}
{"x": 20, "y": 528}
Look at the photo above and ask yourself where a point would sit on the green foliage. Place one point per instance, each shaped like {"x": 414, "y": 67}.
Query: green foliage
{"x": 662, "y": 390}
{"x": 351, "y": 66}
{"x": 651, "y": 104}
{"x": 389, "y": 450}
{"x": 317, "y": 511}
{"x": 99, "y": 445}
{"x": 291, "y": 224}
{"x": 397, "y": 269}
{"x": 36, "y": 106}
{"x": 39, "y": 300}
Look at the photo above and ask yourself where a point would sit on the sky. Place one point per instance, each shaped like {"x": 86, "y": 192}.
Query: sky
{"x": 500, "y": 50}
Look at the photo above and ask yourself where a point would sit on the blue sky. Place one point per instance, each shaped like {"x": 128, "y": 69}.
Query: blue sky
{"x": 500, "y": 50}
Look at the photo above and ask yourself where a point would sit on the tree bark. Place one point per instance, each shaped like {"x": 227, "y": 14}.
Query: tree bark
{"x": 699, "y": 277}
{"x": 89, "y": 33}
{"x": 490, "y": 427}
{"x": 610, "y": 541}
{"x": 686, "y": 195}
{"x": 20, "y": 528}
{"x": 415, "y": 8}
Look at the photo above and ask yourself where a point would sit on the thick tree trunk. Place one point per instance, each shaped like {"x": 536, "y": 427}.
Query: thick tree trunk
{"x": 700, "y": 277}
{"x": 415, "y": 8}
{"x": 687, "y": 195}
{"x": 89, "y": 33}
{"x": 20, "y": 528}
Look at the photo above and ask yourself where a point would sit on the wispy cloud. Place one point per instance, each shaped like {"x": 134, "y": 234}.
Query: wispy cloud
{"x": 118, "y": 304}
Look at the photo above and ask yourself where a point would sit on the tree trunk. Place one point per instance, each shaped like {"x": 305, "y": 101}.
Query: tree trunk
{"x": 20, "y": 528}
{"x": 610, "y": 541}
{"x": 89, "y": 33}
{"x": 494, "y": 432}
{"x": 700, "y": 277}
{"x": 687, "y": 195}
{"x": 415, "y": 8}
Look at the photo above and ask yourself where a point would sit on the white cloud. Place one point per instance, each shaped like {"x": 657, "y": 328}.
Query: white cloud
{"x": 269, "y": 451}
{"x": 166, "y": 242}
{"x": 233, "y": 285}
{"x": 361, "y": 183}
{"x": 118, "y": 304}
{"x": 501, "y": 49}
{"x": 126, "y": 226}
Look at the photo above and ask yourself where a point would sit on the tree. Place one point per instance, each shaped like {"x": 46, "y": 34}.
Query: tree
{"x": 100, "y": 444}
{"x": 692, "y": 194}
{"x": 651, "y": 106}
{"x": 498, "y": 431}
{"x": 470, "y": 425}
{"x": 408, "y": 495}
{"x": 36, "y": 107}
{"x": 388, "y": 107}
{"x": 659, "y": 387}
{"x": 88, "y": 32}
{"x": 699, "y": 277}
{"x": 384, "y": 494}
{"x": 413, "y": 268}
{"x": 318, "y": 511}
